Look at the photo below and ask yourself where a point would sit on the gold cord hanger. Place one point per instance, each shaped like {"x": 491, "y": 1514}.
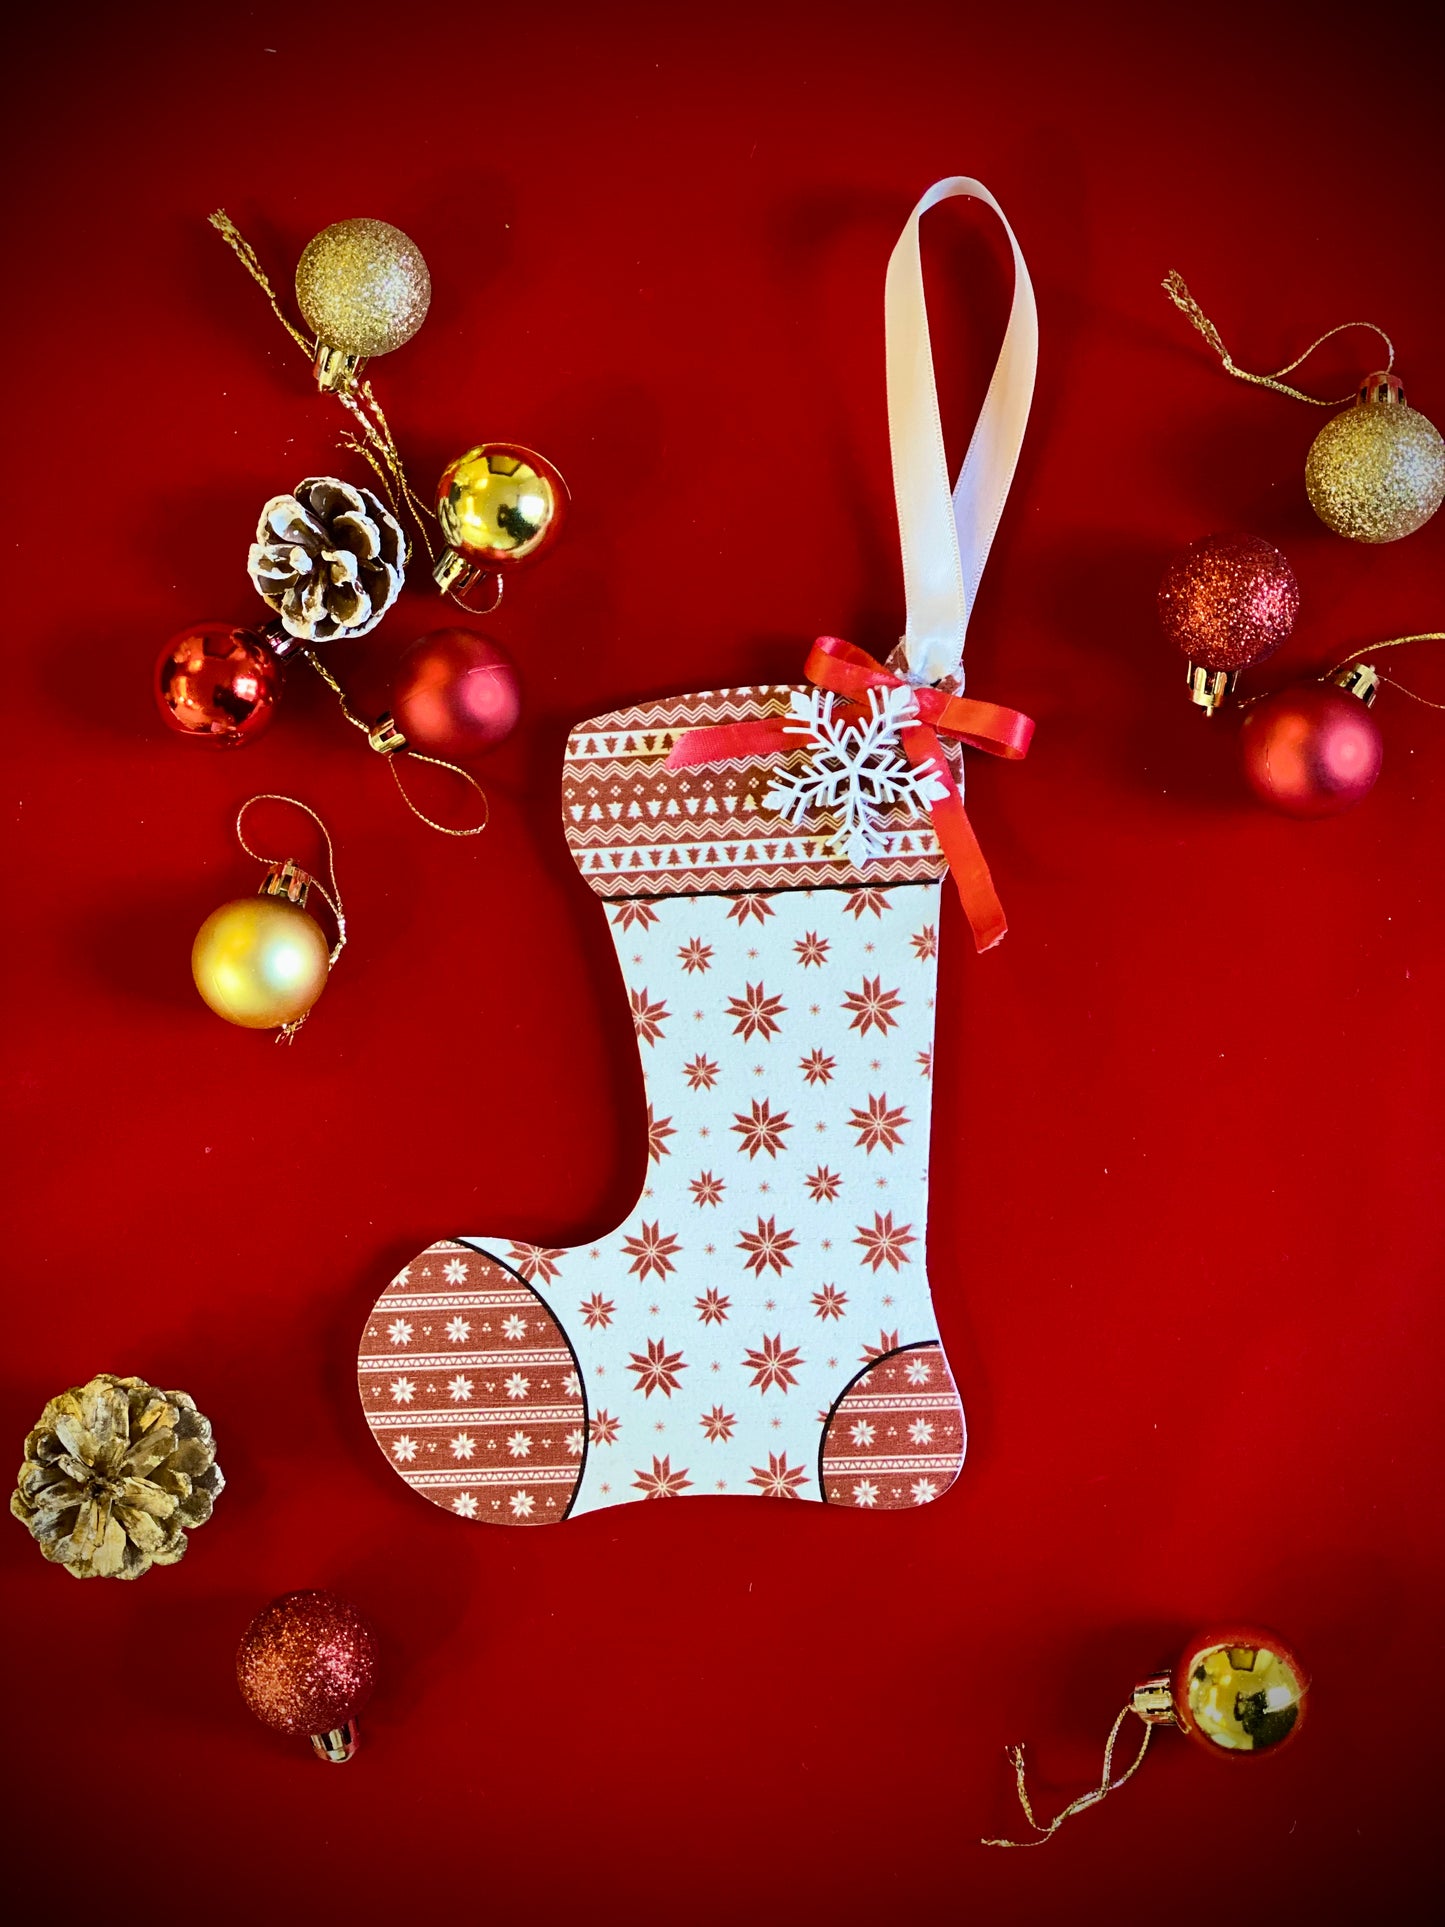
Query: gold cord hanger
{"x": 1174, "y": 286}
{"x": 1362, "y": 655}
{"x": 1092, "y": 1798}
{"x": 387, "y": 740}
{"x": 1395, "y": 642}
{"x": 292, "y": 881}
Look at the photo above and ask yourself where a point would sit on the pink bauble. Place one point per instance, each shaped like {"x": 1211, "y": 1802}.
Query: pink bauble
{"x": 1313, "y": 750}
{"x": 455, "y": 693}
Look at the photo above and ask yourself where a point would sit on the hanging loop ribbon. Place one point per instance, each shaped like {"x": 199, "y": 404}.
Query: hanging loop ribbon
{"x": 850, "y": 672}
{"x": 946, "y": 534}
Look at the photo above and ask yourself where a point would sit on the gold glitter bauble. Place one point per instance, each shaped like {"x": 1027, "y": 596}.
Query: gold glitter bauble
{"x": 363, "y": 287}
{"x": 1377, "y": 472}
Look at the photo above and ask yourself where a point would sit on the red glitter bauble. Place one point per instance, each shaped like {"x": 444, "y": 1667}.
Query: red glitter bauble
{"x": 1228, "y": 601}
{"x": 455, "y": 693}
{"x": 216, "y": 684}
{"x": 307, "y": 1663}
{"x": 1311, "y": 751}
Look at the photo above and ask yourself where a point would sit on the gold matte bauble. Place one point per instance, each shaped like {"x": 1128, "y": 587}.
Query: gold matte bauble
{"x": 1240, "y": 1691}
{"x": 1377, "y": 471}
{"x": 363, "y": 286}
{"x": 260, "y": 962}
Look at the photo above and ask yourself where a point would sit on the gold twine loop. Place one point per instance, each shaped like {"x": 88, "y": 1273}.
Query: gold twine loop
{"x": 331, "y": 898}
{"x": 1395, "y": 642}
{"x": 471, "y": 608}
{"x": 377, "y": 445}
{"x": 393, "y": 752}
{"x": 1362, "y": 654}
{"x": 1092, "y": 1798}
{"x": 1174, "y": 286}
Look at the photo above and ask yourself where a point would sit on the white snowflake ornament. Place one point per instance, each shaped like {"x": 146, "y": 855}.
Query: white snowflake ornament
{"x": 854, "y": 770}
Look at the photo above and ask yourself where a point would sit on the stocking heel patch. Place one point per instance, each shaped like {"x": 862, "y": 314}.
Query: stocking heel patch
{"x": 895, "y": 1436}
{"x": 472, "y": 1390}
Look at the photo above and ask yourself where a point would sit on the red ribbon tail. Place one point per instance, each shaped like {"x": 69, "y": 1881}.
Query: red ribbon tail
{"x": 959, "y": 844}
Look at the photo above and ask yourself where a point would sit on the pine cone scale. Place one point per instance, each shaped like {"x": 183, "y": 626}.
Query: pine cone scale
{"x": 139, "y": 1495}
{"x": 147, "y": 1452}
{"x": 196, "y": 1508}
{"x": 94, "y": 1546}
{"x": 360, "y": 535}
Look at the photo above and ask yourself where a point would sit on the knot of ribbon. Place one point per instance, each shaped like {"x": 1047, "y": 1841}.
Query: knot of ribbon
{"x": 850, "y": 673}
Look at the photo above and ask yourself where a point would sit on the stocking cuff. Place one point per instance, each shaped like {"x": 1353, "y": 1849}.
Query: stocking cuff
{"x": 637, "y": 828}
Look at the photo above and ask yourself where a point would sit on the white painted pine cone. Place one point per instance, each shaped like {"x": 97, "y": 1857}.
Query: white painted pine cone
{"x": 329, "y": 558}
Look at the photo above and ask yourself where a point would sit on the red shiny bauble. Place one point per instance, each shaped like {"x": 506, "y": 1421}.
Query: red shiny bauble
{"x": 307, "y": 1663}
{"x": 455, "y": 693}
{"x": 217, "y": 684}
{"x": 1228, "y": 601}
{"x": 1313, "y": 750}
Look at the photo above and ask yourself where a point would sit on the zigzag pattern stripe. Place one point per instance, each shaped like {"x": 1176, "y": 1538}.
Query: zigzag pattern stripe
{"x": 730, "y": 882}
{"x": 910, "y": 835}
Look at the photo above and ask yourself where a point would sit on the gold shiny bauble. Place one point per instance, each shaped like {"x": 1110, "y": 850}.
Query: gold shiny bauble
{"x": 1241, "y": 1692}
{"x": 500, "y": 504}
{"x": 1377, "y": 471}
{"x": 260, "y": 962}
{"x": 363, "y": 287}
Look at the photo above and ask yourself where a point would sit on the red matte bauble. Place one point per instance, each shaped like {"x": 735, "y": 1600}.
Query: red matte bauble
{"x": 1311, "y": 751}
{"x": 1228, "y": 601}
{"x": 456, "y": 693}
{"x": 307, "y": 1663}
{"x": 218, "y": 684}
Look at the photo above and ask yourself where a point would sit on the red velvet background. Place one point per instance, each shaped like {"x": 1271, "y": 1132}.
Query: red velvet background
{"x": 1187, "y": 1234}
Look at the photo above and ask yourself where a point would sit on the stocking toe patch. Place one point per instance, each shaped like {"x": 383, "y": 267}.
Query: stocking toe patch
{"x": 472, "y": 1391}
{"x": 895, "y": 1436}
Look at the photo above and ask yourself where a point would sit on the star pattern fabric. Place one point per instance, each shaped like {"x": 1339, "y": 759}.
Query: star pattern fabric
{"x": 761, "y": 1324}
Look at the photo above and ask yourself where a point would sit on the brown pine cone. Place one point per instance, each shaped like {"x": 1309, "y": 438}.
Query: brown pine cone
{"x": 329, "y": 559}
{"x": 114, "y": 1473}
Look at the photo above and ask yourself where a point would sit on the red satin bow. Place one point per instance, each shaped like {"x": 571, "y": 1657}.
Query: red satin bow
{"x": 851, "y": 672}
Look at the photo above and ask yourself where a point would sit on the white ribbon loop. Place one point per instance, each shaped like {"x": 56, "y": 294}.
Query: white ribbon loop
{"x": 946, "y": 535}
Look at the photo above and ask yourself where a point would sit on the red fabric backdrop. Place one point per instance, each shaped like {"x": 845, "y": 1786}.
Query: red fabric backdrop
{"x": 1187, "y": 1230}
